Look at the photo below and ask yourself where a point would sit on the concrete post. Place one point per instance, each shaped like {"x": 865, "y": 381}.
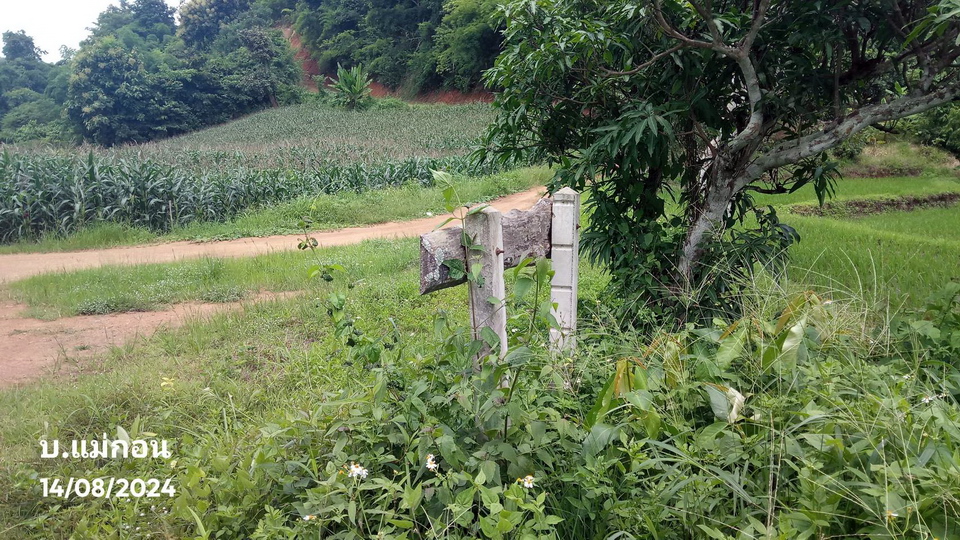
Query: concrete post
{"x": 487, "y": 308}
{"x": 564, "y": 251}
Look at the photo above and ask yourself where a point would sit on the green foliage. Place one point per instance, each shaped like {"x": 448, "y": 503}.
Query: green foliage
{"x": 351, "y": 90}
{"x": 852, "y": 148}
{"x": 785, "y": 427}
{"x": 467, "y": 41}
{"x": 941, "y": 128}
{"x": 19, "y": 46}
{"x": 136, "y": 79}
{"x": 673, "y": 115}
{"x": 798, "y": 420}
{"x": 201, "y": 20}
{"x": 22, "y": 73}
{"x": 933, "y": 333}
{"x": 408, "y": 45}
{"x": 385, "y": 36}
{"x": 113, "y": 99}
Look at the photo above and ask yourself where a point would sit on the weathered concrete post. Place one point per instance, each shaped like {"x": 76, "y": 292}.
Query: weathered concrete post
{"x": 487, "y": 308}
{"x": 564, "y": 251}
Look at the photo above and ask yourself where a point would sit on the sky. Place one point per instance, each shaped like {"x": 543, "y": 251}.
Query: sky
{"x": 52, "y": 23}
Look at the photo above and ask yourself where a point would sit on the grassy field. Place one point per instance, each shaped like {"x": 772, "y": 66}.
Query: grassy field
{"x": 895, "y": 256}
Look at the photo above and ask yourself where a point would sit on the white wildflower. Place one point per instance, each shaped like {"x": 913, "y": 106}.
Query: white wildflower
{"x": 527, "y": 481}
{"x": 310, "y": 517}
{"x": 431, "y": 464}
{"x": 356, "y": 471}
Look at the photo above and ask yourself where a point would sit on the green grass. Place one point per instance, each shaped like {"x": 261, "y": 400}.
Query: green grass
{"x": 900, "y": 158}
{"x": 929, "y": 224}
{"x": 211, "y": 380}
{"x": 853, "y": 258}
{"x": 216, "y": 379}
{"x": 335, "y": 211}
{"x": 99, "y": 236}
{"x": 147, "y": 287}
{"x": 367, "y": 208}
{"x": 900, "y": 257}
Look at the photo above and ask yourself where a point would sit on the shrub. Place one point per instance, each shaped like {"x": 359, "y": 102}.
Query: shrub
{"x": 351, "y": 90}
{"x": 786, "y": 423}
{"x": 851, "y": 148}
{"x": 940, "y": 127}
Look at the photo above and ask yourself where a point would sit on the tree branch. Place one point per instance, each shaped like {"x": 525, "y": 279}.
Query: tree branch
{"x": 758, "y": 19}
{"x": 752, "y": 84}
{"x": 814, "y": 143}
{"x": 707, "y": 16}
{"x": 656, "y": 58}
{"x": 686, "y": 40}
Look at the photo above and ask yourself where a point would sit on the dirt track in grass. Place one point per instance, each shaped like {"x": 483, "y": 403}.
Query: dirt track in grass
{"x": 31, "y": 348}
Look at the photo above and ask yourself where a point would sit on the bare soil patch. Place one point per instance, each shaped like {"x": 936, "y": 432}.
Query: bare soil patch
{"x": 71, "y": 346}
{"x": 864, "y": 207}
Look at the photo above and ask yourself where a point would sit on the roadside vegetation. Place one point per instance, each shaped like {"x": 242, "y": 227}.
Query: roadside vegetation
{"x": 848, "y": 408}
{"x": 769, "y": 300}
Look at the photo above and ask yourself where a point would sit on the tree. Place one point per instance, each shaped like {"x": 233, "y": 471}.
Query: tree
{"x": 710, "y": 100}
{"x": 201, "y": 20}
{"x": 468, "y": 41}
{"x": 112, "y": 99}
{"x": 20, "y": 67}
{"x": 19, "y": 46}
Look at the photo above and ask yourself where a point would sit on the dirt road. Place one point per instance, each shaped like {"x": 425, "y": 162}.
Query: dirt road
{"x": 30, "y": 348}
{"x": 22, "y": 265}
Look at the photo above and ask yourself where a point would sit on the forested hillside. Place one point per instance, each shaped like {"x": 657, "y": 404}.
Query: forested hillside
{"x": 144, "y": 74}
{"x": 405, "y": 44}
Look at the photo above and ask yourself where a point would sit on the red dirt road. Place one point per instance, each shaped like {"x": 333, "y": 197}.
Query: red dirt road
{"x": 29, "y": 348}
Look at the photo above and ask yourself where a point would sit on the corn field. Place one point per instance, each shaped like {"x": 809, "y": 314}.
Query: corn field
{"x": 44, "y": 194}
{"x": 213, "y": 175}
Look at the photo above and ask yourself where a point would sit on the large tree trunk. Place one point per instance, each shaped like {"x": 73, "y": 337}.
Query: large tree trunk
{"x": 703, "y": 226}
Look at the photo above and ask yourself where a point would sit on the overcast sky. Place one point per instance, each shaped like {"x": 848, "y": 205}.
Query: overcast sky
{"x": 52, "y": 23}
